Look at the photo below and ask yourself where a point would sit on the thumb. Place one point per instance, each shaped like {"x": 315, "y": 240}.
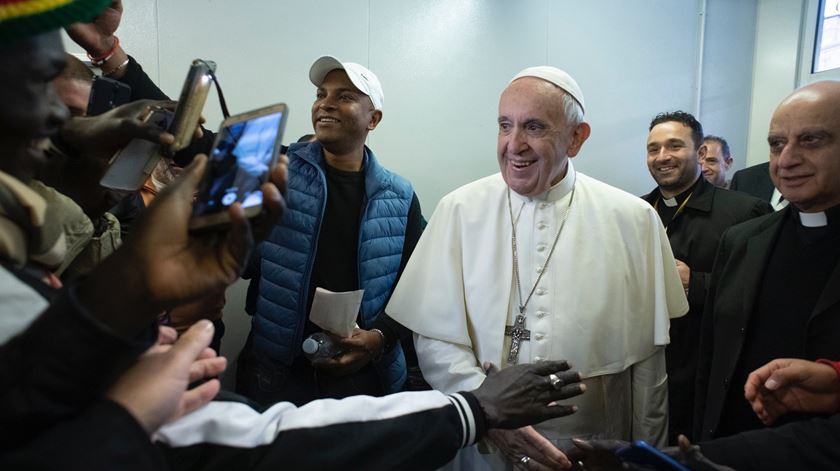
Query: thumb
{"x": 187, "y": 182}
{"x": 189, "y": 347}
{"x": 784, "y": 376}
{"x": 490, "y": 368}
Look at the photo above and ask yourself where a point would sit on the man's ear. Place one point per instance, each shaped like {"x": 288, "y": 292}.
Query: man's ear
{"x": 727, "y": 163}
{"x": 578, "y": 138}
{"x": 701, "y": 153}
{"x": 375, "y": 118}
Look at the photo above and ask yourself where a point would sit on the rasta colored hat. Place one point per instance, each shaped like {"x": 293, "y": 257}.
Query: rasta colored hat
{"x": 22, "y": 18}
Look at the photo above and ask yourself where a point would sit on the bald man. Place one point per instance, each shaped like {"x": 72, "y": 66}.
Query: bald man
{"x": 539, "y": 262}
{"x": 775, "y": 290}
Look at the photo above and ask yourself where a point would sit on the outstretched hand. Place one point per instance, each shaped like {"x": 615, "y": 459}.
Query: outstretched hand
{"x": 97, "y": 37}
{"x": 524, "y": 395}
{"x": 155, "y": 390}
{"x": 788, "y": 385}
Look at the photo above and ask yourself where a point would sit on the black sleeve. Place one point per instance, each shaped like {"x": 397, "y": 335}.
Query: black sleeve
{"x": 807, "y": 444}
{"x": 704, "y": 357}
{"x": 104, "y": 437}
{"x": 406, "y": 431}
{"x": 736, "y": 181}
{"x": 761, "y": 208}
{"x": 58, "y": 366}
{"x": 391, "y": 329}
{"x": 142, "y": 87}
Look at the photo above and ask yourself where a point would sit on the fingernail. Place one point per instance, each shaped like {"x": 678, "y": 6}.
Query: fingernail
{"x": 574, "y": 408}
{"x": 771, "y": 384}
{"x": 207, "y": 324}
{"x": 583, "y": 387}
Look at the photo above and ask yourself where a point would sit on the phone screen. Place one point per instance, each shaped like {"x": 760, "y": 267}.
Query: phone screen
{"x": 238, "y": 164}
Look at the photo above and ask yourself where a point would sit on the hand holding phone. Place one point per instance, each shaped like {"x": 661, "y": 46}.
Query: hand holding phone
{"x": 644, "y": 454}
{"x": 246, "y": 147}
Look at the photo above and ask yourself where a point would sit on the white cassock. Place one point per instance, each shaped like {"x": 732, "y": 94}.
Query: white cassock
{"x": 604, "y": 303}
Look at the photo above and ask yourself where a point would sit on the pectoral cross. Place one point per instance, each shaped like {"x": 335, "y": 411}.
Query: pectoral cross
{"x": 517, "y": 333}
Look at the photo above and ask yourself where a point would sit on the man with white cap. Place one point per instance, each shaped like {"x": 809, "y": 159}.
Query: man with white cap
{"x": 540, "y": 262}
{"x": 351, "y": 224}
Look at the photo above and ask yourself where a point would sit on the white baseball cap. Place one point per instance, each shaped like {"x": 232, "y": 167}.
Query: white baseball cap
{"x": 556, "y": 76}
{"x": 365, "y": 80}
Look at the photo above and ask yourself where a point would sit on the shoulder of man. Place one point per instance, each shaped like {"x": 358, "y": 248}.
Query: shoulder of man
{"x": 610, "y": 197}
{"x": 742, "y": 205}
{"x": 746, "y": 229}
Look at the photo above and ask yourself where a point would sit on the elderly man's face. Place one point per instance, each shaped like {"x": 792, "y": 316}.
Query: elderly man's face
{"x": 804, "y": 143}
{"x": 31, "y": 110}
{"x": 535, "y": 141}
{"x": 672, "y": 158}
{"x": 715, "y": 165}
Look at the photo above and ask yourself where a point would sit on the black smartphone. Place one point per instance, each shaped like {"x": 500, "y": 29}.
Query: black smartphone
{"x": 107, "y": 94}
{"x": 644, "y": 454}
{"x": 246, "y": 147}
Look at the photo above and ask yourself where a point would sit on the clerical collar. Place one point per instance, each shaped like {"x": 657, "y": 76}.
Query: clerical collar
{"x": 557, "y": 191}
{"x": 830, "y": 216}
{"x": 680, "y": 198}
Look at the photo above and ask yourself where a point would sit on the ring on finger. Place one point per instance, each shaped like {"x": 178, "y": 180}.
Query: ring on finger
{"x": 555, "y": 381}
{"x": 524, "y": 461}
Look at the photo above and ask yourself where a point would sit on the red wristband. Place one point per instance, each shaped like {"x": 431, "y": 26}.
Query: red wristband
{"x": 836, "y": 366}
{"x": 99, "y": 60}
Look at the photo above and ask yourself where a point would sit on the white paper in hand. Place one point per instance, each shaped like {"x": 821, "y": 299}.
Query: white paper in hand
{"x": 336, "y": 312}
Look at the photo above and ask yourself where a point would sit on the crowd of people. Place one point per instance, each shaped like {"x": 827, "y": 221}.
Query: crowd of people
{"x": 702, "y": 317}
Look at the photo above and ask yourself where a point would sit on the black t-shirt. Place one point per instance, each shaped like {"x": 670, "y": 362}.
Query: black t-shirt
{"x": 335, "y": 267}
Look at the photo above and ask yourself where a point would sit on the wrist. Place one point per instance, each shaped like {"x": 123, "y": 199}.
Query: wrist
{"x": 377, "y": 351}
{"x": 105, "y": 51}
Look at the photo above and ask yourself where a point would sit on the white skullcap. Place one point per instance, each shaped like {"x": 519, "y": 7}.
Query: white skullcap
{"x": 557, "y": 77}
{"x": 365, "y": 80}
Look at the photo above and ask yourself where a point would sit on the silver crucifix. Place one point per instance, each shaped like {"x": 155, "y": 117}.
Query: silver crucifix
{"x": 517, "y": 333}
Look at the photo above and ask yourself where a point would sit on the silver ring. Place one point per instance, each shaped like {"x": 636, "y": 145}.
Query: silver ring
{"x": 555, "y": 381}
{"x": 525, "y": 460}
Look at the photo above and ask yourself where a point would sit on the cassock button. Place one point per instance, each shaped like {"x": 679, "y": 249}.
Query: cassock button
{"x": 538, "y": 358}
{"x": 543, "y": 205}
{"x": 541, "y": 248}
{"x": 541, "y": 292}
{"x": 541, "y": 314}
{"x": 539, "y": 269}
{"x": 539, "y": 336}
{"x": 541, "y": 226}
{"x": 742, "y": 330}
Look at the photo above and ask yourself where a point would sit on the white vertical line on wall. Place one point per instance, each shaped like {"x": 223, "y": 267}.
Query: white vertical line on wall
{"x": 547, "y": 20}
{"x": 698, "y": 88}
{"x": 157, "y": 36}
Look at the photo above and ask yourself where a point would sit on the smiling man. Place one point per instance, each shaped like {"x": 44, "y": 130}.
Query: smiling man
{"x": 717, "y": 161}
{"x": 351, "y": 225}
{"x": 540, "y": 262}
{"x": 775, "y": 291}
{"x": 695, "y": 214}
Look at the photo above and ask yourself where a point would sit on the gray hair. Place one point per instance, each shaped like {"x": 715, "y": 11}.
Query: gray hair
{"x": 571, "y": 109}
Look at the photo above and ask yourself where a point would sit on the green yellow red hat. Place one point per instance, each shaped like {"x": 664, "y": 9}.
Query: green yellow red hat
{"x": 22, "y": 18}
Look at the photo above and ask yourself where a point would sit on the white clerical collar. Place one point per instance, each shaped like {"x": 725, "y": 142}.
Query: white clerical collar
{"x": 557, "y": 191}
{"x": 669, "y": 202}
{"x": 813, "y": 219}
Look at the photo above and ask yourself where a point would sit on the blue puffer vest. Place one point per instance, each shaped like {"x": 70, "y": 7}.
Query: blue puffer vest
{"x": 287, "y": 256}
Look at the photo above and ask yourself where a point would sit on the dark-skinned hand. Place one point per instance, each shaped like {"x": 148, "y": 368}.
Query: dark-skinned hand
{"x": 164, "y": 265}
{"x": 359, "y": 349}
{"x": 97, "y": 37}
{"x": 600, "y": 455}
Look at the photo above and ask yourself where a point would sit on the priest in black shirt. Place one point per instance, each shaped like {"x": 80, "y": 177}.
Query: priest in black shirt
{"x": 775, "y": 288}
{"x": 695, "y": 214}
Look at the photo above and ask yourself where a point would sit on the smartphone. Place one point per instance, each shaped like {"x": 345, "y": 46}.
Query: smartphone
{"x": 107, "y": 94}
{"x": 132, "y": 165}
{"x": 641, "y": 453}
{"x": 245, "y": 148}
{"x": 190, "y": 103}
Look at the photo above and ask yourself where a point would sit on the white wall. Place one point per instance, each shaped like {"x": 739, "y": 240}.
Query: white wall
{"x": 443, "y": 64}
{"x": 775, "y": 67}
